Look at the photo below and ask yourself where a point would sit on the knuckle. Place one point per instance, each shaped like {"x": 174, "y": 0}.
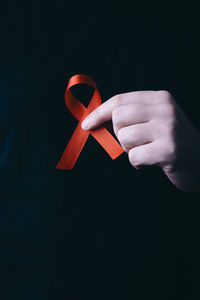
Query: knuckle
{"x": 171, "y": 110}
{"x": 116, "y": 114}
{"x": 167, "y": 150}
{"x": 170, "y": 156}
{"x": 171, "y": 148}
{"x": 167, "y": 109}
{"x": 170, "y": 128}
{"x": 164, "y": 96}
{"x": 118, "y": 99}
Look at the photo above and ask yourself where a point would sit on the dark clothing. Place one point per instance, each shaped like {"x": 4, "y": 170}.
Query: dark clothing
{"x": 102, "y": 230}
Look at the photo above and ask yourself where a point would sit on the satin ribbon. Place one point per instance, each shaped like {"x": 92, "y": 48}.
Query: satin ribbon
{"x": 79, "y": 137}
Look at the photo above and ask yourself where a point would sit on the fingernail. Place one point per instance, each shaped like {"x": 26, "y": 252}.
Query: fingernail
{"x": 85, "y": 124}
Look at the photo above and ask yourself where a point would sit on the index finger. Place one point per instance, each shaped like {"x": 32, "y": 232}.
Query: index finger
{"x": 103, "y": 113}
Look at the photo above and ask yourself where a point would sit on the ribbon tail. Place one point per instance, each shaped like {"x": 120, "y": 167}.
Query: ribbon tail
{"x": 73, "y": 149}
{"x": 107, "y": 141}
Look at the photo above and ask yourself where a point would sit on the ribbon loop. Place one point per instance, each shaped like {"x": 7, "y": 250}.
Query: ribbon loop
{"x": 79, "y": 137}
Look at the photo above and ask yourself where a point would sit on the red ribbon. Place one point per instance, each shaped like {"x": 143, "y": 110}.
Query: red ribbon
{"x": 79, "y": 137}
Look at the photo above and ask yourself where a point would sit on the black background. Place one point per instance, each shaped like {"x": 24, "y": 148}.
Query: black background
{"x": 103, "y": 229}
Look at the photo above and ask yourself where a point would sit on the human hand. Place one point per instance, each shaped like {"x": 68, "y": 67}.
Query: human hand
{"x": 154, "y": 131}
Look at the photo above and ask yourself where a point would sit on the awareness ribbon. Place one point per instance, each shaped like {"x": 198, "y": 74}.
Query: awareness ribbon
{"x": 79, "y": 137}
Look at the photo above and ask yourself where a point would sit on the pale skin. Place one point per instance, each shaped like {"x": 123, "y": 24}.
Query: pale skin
{"x": 154, "y": 132}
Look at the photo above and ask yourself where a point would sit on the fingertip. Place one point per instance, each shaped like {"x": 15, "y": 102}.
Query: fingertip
{"x": 85, "y": 125}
